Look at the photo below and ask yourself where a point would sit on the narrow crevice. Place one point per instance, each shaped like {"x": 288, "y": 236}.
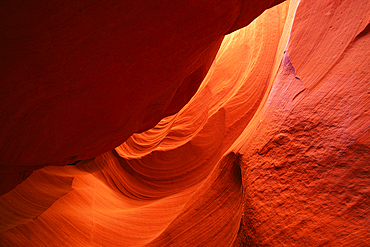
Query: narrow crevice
{"x": 364, "y": 32}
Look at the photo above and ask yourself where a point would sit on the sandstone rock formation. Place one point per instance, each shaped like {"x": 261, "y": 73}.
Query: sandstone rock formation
{"x": 141, "y": 124}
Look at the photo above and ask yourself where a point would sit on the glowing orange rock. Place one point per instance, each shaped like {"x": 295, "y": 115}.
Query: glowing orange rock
{"x": 273, "y": 149}
{"x": 79, "y": 78}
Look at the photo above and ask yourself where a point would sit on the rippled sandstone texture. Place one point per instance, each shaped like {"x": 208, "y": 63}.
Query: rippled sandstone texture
{"x": 272, "y": 150}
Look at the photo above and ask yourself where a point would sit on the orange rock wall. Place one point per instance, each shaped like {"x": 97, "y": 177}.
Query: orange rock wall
{"x": 272, "y": 150}
{"x": 80, "y": 77}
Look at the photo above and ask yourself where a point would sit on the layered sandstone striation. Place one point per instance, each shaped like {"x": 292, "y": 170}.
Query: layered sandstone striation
{"x": 152, "y": 128}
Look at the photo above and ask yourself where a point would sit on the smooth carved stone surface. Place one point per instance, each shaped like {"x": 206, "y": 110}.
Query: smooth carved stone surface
{"x": 80, "y": 77}
{"x": 272, "y": 150}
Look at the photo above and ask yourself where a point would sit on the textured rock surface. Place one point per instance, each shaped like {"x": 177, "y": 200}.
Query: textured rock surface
{"x": 306, "y": 154}
{"x": 272, "y": 150}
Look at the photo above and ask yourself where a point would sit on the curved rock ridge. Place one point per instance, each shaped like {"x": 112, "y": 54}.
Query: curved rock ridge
{"x": 211, "y": 217}
{"x": 79, "y": 78}
{"x": 170, "y": 169}
{"x": 272, "y": 149}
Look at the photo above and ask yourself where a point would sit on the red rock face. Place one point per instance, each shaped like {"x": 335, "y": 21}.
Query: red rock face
{"x": 79, "y": 78}
{"x": 272, "y": 150}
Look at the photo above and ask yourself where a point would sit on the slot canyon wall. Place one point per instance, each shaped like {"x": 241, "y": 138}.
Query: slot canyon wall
{"x": 185, "y": 123}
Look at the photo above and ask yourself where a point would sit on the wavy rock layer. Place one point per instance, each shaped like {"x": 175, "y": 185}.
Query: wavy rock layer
{"x": 78, "y": 78}
{"x": 272, "y": 150}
